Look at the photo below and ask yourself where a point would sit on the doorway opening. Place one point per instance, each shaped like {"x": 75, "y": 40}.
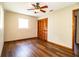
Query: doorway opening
{"x": 75, "y": 32}
{"x": 43, "y": 29}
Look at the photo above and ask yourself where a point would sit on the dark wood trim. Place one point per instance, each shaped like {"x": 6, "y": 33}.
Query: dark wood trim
{"x": 21, "y": 39}
{"x": 73, "y": 30}
{"x": 70, "y": 49}
{"x": 73, "y": 27}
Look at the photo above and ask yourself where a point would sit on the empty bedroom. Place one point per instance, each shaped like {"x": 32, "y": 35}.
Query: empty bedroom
{"x": 39, "y": 29}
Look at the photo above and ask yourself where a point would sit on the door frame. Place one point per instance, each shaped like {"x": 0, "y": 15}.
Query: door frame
{"x": 47, "y": 27}
{"x": 73, "y": 28}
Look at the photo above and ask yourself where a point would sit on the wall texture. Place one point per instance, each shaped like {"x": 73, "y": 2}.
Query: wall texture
{"x": 1, "y": 28}
{"x": 12, "y": 32}
{"x": 60, "y": 26}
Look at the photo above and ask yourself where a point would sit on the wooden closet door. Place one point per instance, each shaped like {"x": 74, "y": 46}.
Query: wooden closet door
{"x": 42, "y": 29}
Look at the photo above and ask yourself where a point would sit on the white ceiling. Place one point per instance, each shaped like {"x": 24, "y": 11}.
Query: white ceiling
{"x": 21, "y": 7}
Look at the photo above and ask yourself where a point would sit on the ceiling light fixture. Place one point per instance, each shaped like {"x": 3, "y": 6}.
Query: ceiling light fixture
{"x": 37, "y": 10}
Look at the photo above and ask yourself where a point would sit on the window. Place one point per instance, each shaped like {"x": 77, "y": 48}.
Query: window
{"x": 22, "y": 23}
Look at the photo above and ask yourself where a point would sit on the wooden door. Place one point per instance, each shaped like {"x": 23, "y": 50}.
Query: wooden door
{"x": 43, "y": 29}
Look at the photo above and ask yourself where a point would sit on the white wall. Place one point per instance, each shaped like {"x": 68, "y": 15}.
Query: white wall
{"x": 60, "y": 26}
{"x": 12, "y": 32}
{"x": 1, "y": 28}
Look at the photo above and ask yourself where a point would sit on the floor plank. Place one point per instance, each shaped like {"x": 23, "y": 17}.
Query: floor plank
{"x": 34, "y": 48}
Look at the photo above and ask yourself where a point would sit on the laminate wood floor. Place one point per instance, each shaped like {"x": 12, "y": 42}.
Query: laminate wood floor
{"x": 34, "y": 48}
